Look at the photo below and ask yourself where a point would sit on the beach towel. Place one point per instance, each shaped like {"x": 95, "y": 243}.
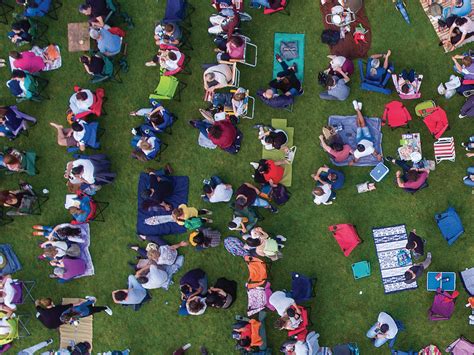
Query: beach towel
{"x": 77, "y": 334}
{"x": 160, "y": 222}
{"x": 348, "y": 135}
{"x": 347, "y": 46}
{"x": 388, "y": 242}
{"x": 443, "y": 33}
{"x": 85, "y": 253}
{"x": 293, "y": 49}
{"x": 276, "y": 154}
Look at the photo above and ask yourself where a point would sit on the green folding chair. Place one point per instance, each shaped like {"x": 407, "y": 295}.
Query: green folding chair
{"x": 108, "y": 73}
{"x": 168, "y": 88}
{"x": 361, "y": 269}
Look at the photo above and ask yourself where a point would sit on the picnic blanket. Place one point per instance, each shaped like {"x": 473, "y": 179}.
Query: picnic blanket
{"x": 347, "y": 47}
{"x": 12, "y": 263}
{"x": 443, "y": 33}
{"x": 160, "y": 222}
{"x": 388, "y": 242}
{"x": 81, "y": 332}
{"x": 85, "y": 253}
{"x": 56, "y": 64}
{"x": 276, "y": 154}
{"x": 348, "y": 135}
{"x": 298, "y": 55}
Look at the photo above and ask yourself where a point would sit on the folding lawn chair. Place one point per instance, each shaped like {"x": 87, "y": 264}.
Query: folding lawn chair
{"x": 361, "y": 269}
{"x": 258, "y": 335}
{"x": 443, "y": 305}
{"x": 110, "y": 72}
{"x": 415, "y": 95}
{"x": 179, "y": 11}
{"x": 246, "y": 60}
{"x": 258, "y": 273}
{"x": 32, "y": 205}
{"x": 183, "y": 63}
{"x": 97, "y": 209}
{"x": 23, "y": 127}
{"x": 302, "y": 287}
{"x": 96, "y": 108}
{"x": 249, "y": 102}
{"x": 346, "y": 349}
{"x": 91, "y": 136}
{"x": 283, "y": 9}
{"x": 379, "y": 85}
{"x": 53, "y": 10}
{"x": 22, "y": 291}
{"x": 5, "y": 9}
{"x": 450, "y": 225}
{"x": 167, "y": 88}
{"x": 460, "y": 346}
{"x": 444, "y": 149}
{"x": 28, "y": 163}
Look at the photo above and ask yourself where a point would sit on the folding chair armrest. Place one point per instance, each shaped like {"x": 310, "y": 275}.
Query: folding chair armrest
{"x": 361, "y": 69}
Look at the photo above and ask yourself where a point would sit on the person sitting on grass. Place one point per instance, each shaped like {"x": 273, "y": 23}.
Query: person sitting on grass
{"x": 193, "y": 287}
{"x": 94, "y": 64}
{"x": 67, "y": 268}
{"x": 134, "y": 294}
{"x": 168, "y": 33}
{"x": 336, "y": 88}
{"x": 215, "y": 190}
{"x": 286, "y": 81}
{"x": 223, "y": 294}
{"x": 248, "y": 195}
{"x": 410, "y": 179}
{"x": 269, "y": 171}
{"x": 326, "y": 175}
{"x": 376, "y": 72}
{"x": 416, "y": 270}
{"x": 97, "y": 12}
{"x": 271, "y": 138}
{"x": 229, "y": 48}
{"x": 365, "y": 141}
{"x": 183, "y": 213}
{"x": 382, "y": 331}
{"x": 204, "y": 238}
{"x": 83, "y": 309}
{"x": 323, "y": 195}
{"x": 416, "y": 244}
{"x": 339, "y": 152}
{"x": 72, "y": 137}
{"x": 59, "y": 249}
{"x": 158, "y": 251}
{"x": 261, "y": 244}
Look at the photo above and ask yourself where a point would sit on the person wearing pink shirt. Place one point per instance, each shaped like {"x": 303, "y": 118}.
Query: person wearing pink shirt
{"x": 233, "y": 48}
{"x": 339, "y": 152}
{"x": 27, "y": 61}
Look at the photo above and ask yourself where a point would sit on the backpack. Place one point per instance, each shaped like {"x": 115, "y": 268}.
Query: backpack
{"x": 279, "y": 194}
{"x": 193, "y": 223}
{"x": 330, "y": 37}
{"x": 235, "y": 246}
{"x": 258, "y": 274}
{"x": 289, "y": 50}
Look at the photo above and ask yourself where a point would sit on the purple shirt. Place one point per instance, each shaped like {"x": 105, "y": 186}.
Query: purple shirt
{"x": 74, "y": 267}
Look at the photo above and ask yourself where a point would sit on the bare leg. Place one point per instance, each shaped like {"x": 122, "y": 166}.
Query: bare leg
{"x": 360, "y": 119}
{"x": 62, "y": 139}
{"x": 385, "y": 63}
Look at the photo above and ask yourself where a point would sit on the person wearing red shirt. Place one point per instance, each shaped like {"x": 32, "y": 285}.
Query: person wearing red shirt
{"x": 411, "y": 179}
{"x": 269, "y": 171}
{"x": 222, "y": 133}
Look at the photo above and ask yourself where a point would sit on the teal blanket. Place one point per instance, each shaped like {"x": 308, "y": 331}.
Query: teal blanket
{"x": 290, "y": 37}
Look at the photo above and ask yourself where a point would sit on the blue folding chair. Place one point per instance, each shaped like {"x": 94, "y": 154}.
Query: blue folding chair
{"x": 450, "y": 225}
{"x": 379, "y": 85}
{"x": 401, "y": 328}
{"x": 179, "y": 11}
{"x": 302, "y": 287}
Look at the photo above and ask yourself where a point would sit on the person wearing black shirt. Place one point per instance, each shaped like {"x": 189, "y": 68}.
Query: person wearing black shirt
{"x": 159, "y": 190}
{"x": 248, "y": 195}
{"x": 93, "y": 65}
{"x": 286, "y": 80}
{"x": 96, "y": 10}
{"x": 417, "y": 270}
{"x": 49, "y": 314}
{"x": 416, "y": 244}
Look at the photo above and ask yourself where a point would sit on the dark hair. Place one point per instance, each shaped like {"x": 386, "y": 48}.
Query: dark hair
{"x": 77, "y": 170}
{"x": 237, "y": 40}
{"x": 84, "y": 59}
{"x": 270, "y": 138}
{"x": 169, "y": 27}
{"x": 215, "y": 131}
{"x": 405, "y": 88}
{"x": 81, "y": 95}
{"x": 84, "y": 7}
{"x": 76, "y": 127}
{"x": 262, "y": 166}
{"x": 201, "y": 240}
{"x": 120, "y": 295}
{"x": 207, "y": 188}
{"x": 467, "y": 61}
{"x": 280, "y": 323}
{"x": 384, "y": 328}
{"x": 244, "y": 342}
{"x": 213, "y": 299}
{"x": 18, "y": 73}
{"x": 408, "y": 275}
{"x": 172, "y": 55}
{"x": 410, "y": 245}
{"x": 4, "y": 196}
{"x": 253, "y": 242}
{"x": 142, "y": 279}
{"x": 360, "y": 147}
{"x": 157, "y": 117}
{"x": 337, "y": 147}
{"x": 15, "y": 54}
{"x": 240, "y": 202}
{"x": 291, "y": 312}
{"x": 195, "y": 305}
{"x": 69, "y": 232}
{"x": 332, "y": 177}
{"x": 412, "y": 175}
{"x": 318, "y": 191}
{"x": 185, "y": 288}
{"x": 460, "y": 21}
{"x": 146, "y": 193}
{"x": 330, "y": 82}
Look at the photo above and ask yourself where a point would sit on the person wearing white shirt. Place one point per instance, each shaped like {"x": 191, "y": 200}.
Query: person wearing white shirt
{"x": 382, "y": 331}
{"x": 80, "y": 171}
{"x": 216, "y": 190}
{"x": 81, "y": 101}
{"x": 323, "y": 195}
{"x": 152, "y": 277}
{"x": 281, "y": 302}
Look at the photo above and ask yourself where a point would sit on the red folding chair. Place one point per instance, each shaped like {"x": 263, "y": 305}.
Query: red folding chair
{"x": 283, "y": 9}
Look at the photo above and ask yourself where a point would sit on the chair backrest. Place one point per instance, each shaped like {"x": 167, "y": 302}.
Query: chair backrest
{"x": 257, "y": 272}
{"x": 175, "y": 10}
{"x": 18, "y": 296}
{"x": 442, "y": 307}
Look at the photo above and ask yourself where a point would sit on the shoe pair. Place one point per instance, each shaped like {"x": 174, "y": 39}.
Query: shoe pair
{"x": 357, "y": 105}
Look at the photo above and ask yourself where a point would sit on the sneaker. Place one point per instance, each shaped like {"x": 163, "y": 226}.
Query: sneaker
{"x": 134, "y": 131}
{"x": 465, "y": 177}
{"x": 150, "y": 64}
{"x": 462, "y": 116}
{"x": 278, "y": 57}
{"x": 282, "y": 238}
{"x": 471, "y": 317}
{"x": 273, "y": 209}
{"x": 359, "y": 105}
{"x": 49, "y": 341}
{"x": 388, "y": 158}
{"x": 38, "y": 233}
{"x": 254, "y": 165}
{"x": 131, "y": 246}
{"x": 192, "y": 123}
{"x": 108, "y": 310}
{"x": 208, "y": 220}
{"x": 206, "y": 211}
{"x": 141, "y": 237}
{"x": 356, "y": 105}
{"x": 91, "y": 298}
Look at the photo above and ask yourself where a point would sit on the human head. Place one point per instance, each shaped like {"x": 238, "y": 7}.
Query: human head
{"x": 244, "y": 343}
{"x": 236, "y": 41}
{"x": 120, "y": 295}
{"x": 207, "y": 189}
{"x": 253, "y": 242}
{"x": 213, "y": 300}
{"x": 215, "y": 131}
{"x": 209, "y": 77}
{"x": 467, "y": 61}
{"x": 50, "y": 252}
{"x": 281, "y": 322}
{"x": 44, "y": 302}
{"x": 10, "y": 159}
{"x": 142, "y": 279}
{"x": 460, "y": 21}
{"x": 15, "y": 54}
{"x": 360, "y": 147}
{"x": 240, "y": 202}
{"x": 74, "y": 210}
{"x": 375, "y": 63}
{"x": 408, "y": 275}
{"x": 410, "y": 245}
{"x": 172, "y": 56}
{"x": 169, "y": 28}
{"x": 68, "y": 232}
{"x": 405, "y": 88}
{"x": 332, "y": 177}
{"x": 153, "y": 254}
{"x": 85, "y": 59}
{"x": 185, "y": 289}
{"x": 384, "y": 328}
{"x": 94, "y": 34}
{"x": 177, "y": 212}
{"x": 81, "y": 96}
{"x": 330, "y": 82}
{"x": 196, "y": 305}
{"x": 5, "y": 196}
{"x": 76, "y": 127}
{"x": 77, "y": 170}
{"x": 18, "y": 74}
{"x": 268, "y": 94}
{"x": 85, "y": 9}
{"x": 337, "y": 147}
{"x": 231, "y": 225}
{"x": 412, "y": 175}
{"x": 318, "y": 191}
{"x": 144, "y": 145}
{"x": 200, "y": 239}
{"x": 146, "y": 193}
{"x": 157, "y": 117}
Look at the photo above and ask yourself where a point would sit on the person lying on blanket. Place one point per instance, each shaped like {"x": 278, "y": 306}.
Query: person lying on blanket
{"x": 460, "y": 30}
{"x": 376, "y": 72}
{"x": 416, "y": 270}
{"x": 83, "y": 309}
{"x": 336, "y": 86}
{"x": 410, "y": 178}
{"x": 159, "y": 190}
{"x": 365, "y": 141}
{"x": 286, "y": 80}
{"x": 269, "y": 171}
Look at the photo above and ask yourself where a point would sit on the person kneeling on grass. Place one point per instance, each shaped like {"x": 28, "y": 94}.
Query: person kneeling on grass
{"x": 416, "y": 270}
{"x": 411, "y": 179}
{"x": 365, "y": 141}
{"x": 336, "y": 87}
{"x": 133, "y": 295}
{"x": 326, "y": 175}
{"x": 382, "y": 331}
{"x": 416, "y": 244}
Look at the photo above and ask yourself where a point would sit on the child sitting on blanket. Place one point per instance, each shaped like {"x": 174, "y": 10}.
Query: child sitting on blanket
{"x": 365, "y": 141}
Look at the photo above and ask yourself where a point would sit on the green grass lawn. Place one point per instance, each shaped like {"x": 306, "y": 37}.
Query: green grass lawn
{"x": 339, "y": 313}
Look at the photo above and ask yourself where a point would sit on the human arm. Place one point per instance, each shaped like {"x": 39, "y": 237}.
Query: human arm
{"x": 179, "y": 245}
{"x": 206, "y": 85}
{"x": 460, "y": 42}
{"x": 345, "y": 77}
{"x": 98, "y": 22}
{"x": 456, "y": 63}
{"x": 253, "y": 187}
{"x": 398, "y": 175}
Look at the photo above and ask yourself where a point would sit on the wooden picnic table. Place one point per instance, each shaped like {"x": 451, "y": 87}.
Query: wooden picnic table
{"x": 78, "y": 37}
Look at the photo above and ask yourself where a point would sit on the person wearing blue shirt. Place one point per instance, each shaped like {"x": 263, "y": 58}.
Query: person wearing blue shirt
{"x": 108, "y": 43}
{"x": 326, "y": 175}
{"x": 81, "y": 213}
{"x": 157, "y": 118}
{"x": 376, "y": 73}
{"x": 35, "y": 8}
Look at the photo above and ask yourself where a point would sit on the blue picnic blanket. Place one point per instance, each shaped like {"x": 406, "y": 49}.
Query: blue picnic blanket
{"x": 348, "y": 135}
{"x": 12, "y": 262}
{"x": 159, "y": 222}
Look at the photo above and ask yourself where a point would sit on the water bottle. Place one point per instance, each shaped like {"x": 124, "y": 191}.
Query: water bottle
{"x": 182, "y": 349}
